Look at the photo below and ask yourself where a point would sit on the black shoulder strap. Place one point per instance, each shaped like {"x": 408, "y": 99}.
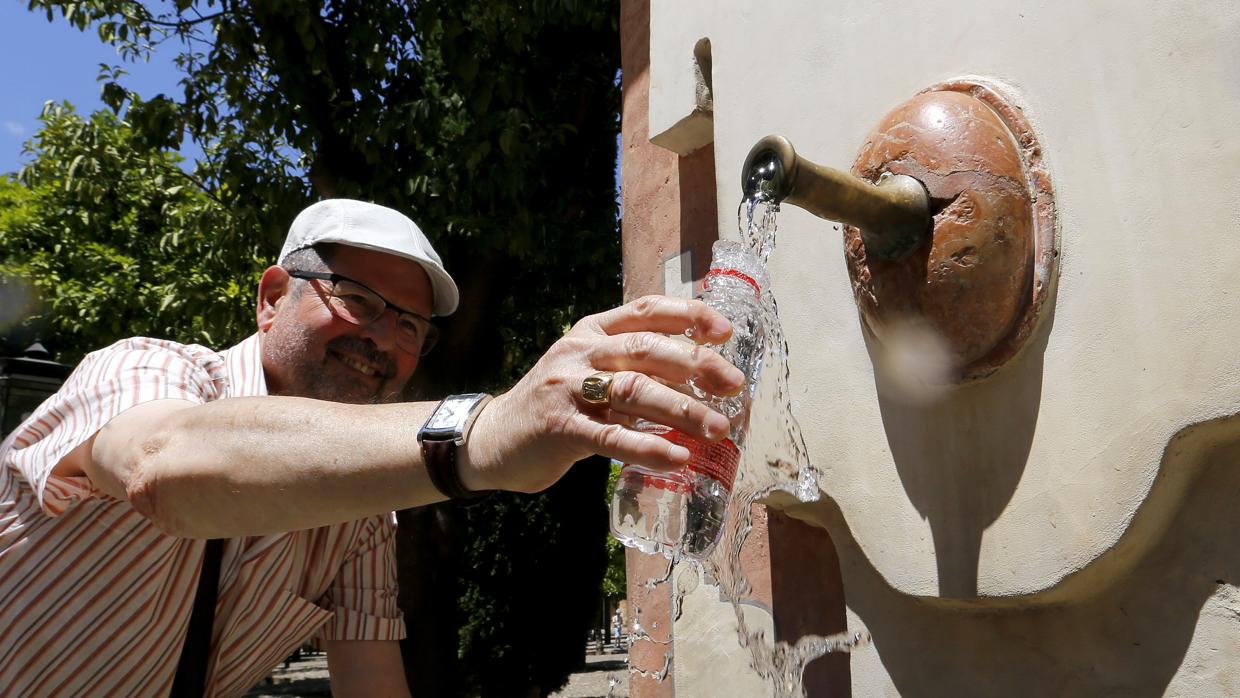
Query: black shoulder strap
{"x": 191, "y": 678}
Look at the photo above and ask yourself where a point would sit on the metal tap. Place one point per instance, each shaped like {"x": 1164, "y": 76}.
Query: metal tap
{"x": 892, "y": 214}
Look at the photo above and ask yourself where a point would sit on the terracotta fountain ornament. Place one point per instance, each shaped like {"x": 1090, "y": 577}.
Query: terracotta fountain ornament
{"x": 949, "y": 220}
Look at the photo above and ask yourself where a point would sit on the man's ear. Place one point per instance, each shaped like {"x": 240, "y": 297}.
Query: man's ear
{"x": 273, "y": 289}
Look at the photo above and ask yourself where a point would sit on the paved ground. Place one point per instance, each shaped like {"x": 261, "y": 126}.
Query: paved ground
{"x": 307, "y": 678}
{"x": 304, "y": 678}
{"x": 597, "y": 678}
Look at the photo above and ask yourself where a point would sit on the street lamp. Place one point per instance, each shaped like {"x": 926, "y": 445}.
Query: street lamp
{"x": 25, "y": 382}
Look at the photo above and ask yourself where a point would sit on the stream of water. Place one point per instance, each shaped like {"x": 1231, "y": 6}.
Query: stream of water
{"x": 766, "y": 466}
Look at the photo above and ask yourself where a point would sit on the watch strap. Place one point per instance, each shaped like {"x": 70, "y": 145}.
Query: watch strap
{"x": 441, "y": 466}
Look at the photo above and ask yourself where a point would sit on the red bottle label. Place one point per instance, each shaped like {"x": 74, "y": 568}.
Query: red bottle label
{"x": 715, "y": 459}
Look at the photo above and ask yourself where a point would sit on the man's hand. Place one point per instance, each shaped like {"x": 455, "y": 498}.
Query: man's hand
{"x": 527, "y": 438}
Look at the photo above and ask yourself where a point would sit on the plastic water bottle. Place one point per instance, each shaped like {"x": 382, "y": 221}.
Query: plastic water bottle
{"x": 682, "y": 512}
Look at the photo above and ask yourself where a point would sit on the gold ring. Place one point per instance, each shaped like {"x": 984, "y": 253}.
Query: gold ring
{"x": 596, "y": 388}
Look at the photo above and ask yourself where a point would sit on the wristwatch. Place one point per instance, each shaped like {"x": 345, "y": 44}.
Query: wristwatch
{"x": 444, "y": 432}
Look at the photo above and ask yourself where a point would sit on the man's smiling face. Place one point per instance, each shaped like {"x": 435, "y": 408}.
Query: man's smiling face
{"x": 309, "y": 351}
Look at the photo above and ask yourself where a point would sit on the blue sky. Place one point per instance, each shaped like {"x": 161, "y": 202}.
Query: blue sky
{"x": 53, "y": 61}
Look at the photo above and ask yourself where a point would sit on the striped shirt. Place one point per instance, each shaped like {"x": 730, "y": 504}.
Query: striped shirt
{"x": 95, "y": 600}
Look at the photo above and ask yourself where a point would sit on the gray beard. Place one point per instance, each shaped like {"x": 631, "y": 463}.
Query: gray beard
{"x": 289, "y": 347}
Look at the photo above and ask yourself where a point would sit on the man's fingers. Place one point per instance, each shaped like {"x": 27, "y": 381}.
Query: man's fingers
{"x": 626, "y": 420}
{"x": 628, "y": 446}
{"x": 667, "y": 359}
{"x": 666, "y": 315}
{"x": 638, "y": 395}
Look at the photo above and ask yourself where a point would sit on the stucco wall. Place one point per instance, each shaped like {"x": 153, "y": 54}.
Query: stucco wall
{"x": 1052, "y": 497}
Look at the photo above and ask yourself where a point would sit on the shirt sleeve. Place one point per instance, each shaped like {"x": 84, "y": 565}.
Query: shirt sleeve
{"x": 106, "y": 383}
{"x": 363, "y": 596}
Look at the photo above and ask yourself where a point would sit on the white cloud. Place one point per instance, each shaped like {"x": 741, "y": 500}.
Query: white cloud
{"x": 15, "y": 129}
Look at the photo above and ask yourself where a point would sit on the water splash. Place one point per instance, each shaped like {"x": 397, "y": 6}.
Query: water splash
{"x": 656, "y": 675}
{"x": 652, "y": 582}
{"x": 780, "y": 663}
{"x": 786, "y": 461}
{"x": 638, "y": 632}
{"x": 686, "y": 582}
{"x": 785, "y": 465}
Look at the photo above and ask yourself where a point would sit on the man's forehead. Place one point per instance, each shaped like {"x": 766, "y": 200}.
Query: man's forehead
{"x": 402, "y": 281}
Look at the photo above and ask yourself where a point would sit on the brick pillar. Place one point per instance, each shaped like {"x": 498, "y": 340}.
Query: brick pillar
{"x": 650, "y": 229}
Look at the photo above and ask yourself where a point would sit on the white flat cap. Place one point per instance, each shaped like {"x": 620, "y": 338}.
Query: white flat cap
{"x": 373, "y": 227}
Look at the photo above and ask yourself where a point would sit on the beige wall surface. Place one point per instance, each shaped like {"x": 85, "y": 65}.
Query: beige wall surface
{"x": 1060, "y": 527}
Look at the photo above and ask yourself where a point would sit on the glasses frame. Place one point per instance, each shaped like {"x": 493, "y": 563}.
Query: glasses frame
{"x": 431, "y": 336}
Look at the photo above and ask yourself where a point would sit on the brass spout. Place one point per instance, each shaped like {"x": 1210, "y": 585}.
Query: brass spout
{"x": 892, "y": 214}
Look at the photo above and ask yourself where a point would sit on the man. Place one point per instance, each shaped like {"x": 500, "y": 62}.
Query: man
{"x": 617, "y": 627}
{"x": 294, "y": 447}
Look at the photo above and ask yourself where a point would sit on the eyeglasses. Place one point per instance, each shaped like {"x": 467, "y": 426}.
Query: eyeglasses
{"x": 358, "y": 304}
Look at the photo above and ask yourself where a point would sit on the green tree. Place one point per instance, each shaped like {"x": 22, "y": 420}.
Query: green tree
{"x": 117, "y": 240}
{"x": 493, "y": 123}
{"x": 614, "y": 579}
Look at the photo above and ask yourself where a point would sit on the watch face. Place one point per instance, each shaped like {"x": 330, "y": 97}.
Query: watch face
{"x": 450, "y": 415}
{"x": 452, "y": 418}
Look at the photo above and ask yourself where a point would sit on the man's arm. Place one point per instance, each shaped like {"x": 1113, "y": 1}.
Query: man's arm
{"x": 251, "y": 466}
{"x": 366, "y": 668}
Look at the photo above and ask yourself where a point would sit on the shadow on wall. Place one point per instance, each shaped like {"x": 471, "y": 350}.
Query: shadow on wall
{"x": 961, "y": 456}
{"x": 1121, "y": 626}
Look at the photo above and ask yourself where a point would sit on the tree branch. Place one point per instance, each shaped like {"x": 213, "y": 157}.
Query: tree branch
{"x": 197, "y": 182}
{"x": 180, "y": 24}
